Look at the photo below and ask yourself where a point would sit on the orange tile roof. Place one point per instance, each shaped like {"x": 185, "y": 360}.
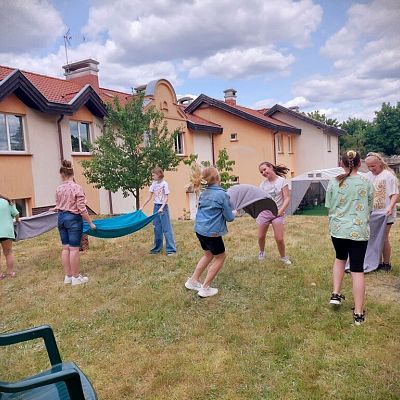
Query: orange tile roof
{"x": 59, "y": 90}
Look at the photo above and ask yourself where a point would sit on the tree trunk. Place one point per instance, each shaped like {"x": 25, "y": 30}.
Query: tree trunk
{"x": 137, "y": 190}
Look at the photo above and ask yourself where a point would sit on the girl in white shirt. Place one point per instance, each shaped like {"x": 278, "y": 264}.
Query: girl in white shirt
{"x": 277, "y": 187}
{"x": 386, "y": 195}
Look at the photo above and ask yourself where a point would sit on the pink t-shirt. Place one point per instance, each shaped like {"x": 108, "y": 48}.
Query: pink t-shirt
{"x": 70, "y": 197}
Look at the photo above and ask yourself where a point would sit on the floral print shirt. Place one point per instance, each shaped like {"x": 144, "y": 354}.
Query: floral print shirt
{"x": 349, "y": 207}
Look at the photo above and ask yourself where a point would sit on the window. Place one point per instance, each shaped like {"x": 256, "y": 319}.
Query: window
{"x": 328, "y": 142}
{"x": 11, "y": 133}
{"x": 20, "y": 204}
{"x": 179, "y": 143}
{"x": 290, "y": 144}
{"x": 80, "y": 136}
{"x": 234, "y": 137}
{"x": 279, "y": 143}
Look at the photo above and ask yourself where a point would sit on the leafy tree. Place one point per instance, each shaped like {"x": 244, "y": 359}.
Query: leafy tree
{"x": 224, "y": 165}
{"x": 323, "y": 118}
{"x": 355, "y": 139}
{"x": 384, "y": 134}
{"x": 133, "y": 142}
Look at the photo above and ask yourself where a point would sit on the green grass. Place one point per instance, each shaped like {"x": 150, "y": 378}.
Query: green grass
{"x": 314, "y": 210}
{"x": 269, "y": 334}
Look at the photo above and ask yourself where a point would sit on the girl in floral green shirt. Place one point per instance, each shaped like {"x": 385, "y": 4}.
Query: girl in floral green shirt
{"x": 349, "y": 198}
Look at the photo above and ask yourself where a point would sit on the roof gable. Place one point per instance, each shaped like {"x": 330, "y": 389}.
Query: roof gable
{"x": 248, "y": 114}
{"x": 326, "y": 128}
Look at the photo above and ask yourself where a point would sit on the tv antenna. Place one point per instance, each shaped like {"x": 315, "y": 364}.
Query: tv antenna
{"x": 67, "y": 42}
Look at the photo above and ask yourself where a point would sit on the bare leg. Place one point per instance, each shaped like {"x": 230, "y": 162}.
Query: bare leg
{"x": 202, "y": 265}
{"x": 9, "y": 255}
{"x": 358, "y": 282}
{"x": 65, "y": 260}
{"x": 387, "y": 249}
{"x": 74, "y": 260}
{"x": 262, "y": 233}
{"x": 278, "y": 233}
{"x": 214, "y": 269}
{"x": 338, "y": 274}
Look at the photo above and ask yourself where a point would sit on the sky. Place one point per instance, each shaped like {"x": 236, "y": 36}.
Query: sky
{"x": 340, "y": 57}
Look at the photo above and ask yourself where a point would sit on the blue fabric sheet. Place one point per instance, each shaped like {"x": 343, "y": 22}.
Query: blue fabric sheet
{"x": 118, "y": 226}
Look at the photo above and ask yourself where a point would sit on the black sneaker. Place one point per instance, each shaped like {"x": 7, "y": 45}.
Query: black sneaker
{"x": 359, "y": 319}
{"x": 336, "y": 299}
{"x": 386, "y": 267}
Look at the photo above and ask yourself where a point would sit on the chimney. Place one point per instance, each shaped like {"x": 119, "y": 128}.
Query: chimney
{"x": 83, "y": 72}
{"x": 230, "y": 97}
{"x": 295, "y": 108}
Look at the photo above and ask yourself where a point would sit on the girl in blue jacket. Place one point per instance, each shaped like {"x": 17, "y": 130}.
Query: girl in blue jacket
{"x": 213, "y": 211}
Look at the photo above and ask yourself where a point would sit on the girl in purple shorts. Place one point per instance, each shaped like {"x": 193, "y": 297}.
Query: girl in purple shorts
{"x": 276, "y": 186}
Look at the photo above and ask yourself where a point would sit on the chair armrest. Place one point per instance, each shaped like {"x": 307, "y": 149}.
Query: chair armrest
{"x": 45, "y": 332}
{"x": 70, "y": 377}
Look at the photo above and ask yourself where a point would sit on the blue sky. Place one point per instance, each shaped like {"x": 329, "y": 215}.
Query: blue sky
{"x": 341, "y": 57}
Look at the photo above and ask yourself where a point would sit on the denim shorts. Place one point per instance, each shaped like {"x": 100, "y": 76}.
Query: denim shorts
{"x": 70, "y": 227}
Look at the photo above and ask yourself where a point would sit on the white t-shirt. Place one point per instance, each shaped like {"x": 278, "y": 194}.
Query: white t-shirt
{"x": 385, "y": 185}
{"x": 160, "y": 190}
{"x": 274, "y": 189}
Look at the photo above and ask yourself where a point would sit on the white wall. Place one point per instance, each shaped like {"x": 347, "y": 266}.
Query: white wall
{"x": 311, "y": 146}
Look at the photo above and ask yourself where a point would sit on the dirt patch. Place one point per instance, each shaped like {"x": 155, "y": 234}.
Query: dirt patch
{"x": 383, "y": 287}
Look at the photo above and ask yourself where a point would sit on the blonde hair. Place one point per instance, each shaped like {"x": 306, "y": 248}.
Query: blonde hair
{"x": 351, "y": 160}
{"x": 66, "y": 168}
{"x": 210, "y": 175}
{"x": 380, "y": 158}
{"x": 158, "y": 171}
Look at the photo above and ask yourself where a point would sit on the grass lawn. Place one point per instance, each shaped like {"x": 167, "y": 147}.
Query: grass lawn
{"x": 269, "y": 334}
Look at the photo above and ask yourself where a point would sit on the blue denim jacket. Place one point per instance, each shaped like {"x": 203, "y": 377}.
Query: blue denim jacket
{"x": 213, "y": 211}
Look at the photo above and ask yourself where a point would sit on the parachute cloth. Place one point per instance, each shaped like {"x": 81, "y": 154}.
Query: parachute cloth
{"x": 107, "y": 228}
{"x": 118, "y": 226}
{"x": 251, "y": 199}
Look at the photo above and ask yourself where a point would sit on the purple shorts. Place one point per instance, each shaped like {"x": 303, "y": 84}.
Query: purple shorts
{"x": 266, "y": 217}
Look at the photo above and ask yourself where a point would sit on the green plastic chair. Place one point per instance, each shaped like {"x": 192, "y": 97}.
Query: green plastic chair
{"x": 63, "y": 381}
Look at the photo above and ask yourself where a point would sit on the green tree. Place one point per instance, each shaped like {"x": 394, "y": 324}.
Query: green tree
{"x": 323, "y": 118}
{"x": 355, "y": 139}
{"x": 133, "y": 142}
{"x": 224, "y": 165}
{"x": 384, "y": 134}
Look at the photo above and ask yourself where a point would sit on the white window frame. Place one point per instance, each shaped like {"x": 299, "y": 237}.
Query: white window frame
{"x": 179, "y": 150}
{"x": 328, "y": 142}
{"x": 234, "y": 137}
{"x": 290, "y": 144}
{"x": 79, "y": 136}
{"x": 279, "y": 143}
{"x": 21, "y": 118}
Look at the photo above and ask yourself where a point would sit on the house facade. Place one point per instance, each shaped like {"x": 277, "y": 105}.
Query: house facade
{"x": 44, "y": 120}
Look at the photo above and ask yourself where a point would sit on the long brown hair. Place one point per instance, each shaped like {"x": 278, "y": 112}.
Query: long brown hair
{"x": 351, "y": 160}
{"x": 279, "y": 170}
{"x": 6, "y": 198}
{"x": 66, "y": 168}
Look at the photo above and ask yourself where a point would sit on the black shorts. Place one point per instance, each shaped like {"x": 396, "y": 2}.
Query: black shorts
{"x": 352, "y": 249}
{"x": 213, "y": 244}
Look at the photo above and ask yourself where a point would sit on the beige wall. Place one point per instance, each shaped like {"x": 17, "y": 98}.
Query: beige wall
{"x": 311, "y": 146}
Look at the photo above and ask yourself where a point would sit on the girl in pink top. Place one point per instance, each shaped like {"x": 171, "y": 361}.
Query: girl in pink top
{"x": 71, "y": 207}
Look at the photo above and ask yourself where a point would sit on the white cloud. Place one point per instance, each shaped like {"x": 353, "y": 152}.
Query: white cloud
{"x": 366, "y": 58}
{"x": 28, "y": 25}
{"x": 242, "y": 63}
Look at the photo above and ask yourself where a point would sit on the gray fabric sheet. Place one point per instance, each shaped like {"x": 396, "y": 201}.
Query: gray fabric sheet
{"x": 30, "y": 227}
{"x": 251, "y": 199}
{"x": 377, "y": 225}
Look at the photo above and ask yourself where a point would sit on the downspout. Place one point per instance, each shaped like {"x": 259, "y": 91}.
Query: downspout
{"x": 60, "y": 141}
{"x": 212, "y": 148}
{"x": 275, "y": 160}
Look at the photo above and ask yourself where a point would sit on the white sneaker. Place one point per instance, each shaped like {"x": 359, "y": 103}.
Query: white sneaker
{"x": 67, "y": 279}
{"x": 79, "y": 280}
{"x": 286, "y": 260}
{"x": 207, "y": 292}
{"x": 192, "y": 285}
{"x": 261, "y": 256}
